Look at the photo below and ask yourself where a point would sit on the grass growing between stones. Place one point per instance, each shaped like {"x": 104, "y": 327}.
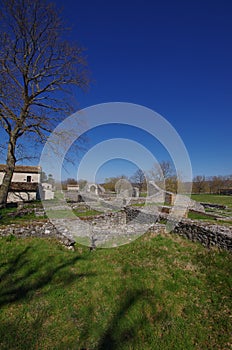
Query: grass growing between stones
{"x": 156, "y": 293}
{"x": 7, "y": 219}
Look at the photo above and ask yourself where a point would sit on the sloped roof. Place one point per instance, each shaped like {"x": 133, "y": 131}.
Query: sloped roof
{"x": 24, "y": 187}
{"x": 23, "y": 168}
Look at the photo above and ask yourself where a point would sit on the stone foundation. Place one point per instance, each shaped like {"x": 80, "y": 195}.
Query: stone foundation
{"x": 207, "y": 234}
{"x": 123, "y": 224}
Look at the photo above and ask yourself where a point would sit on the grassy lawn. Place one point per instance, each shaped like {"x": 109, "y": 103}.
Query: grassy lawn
{"x": 198, "y": 216}
{"x": 6, "y": 219}
{"x": 69, "y": 214}
{"x": 156, "y": 293}
{"x": 213, "y": 198}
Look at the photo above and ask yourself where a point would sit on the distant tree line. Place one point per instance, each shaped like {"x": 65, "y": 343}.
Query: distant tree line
{"x": 110, "y": 182}
{"x": 211, "y": 184}
{"x": 164, "y": 175}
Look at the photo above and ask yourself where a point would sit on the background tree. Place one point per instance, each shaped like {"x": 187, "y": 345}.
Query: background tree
{"x": 161, "y": 171}
{"x": 51, "y": 180}
{"x": 164, "y": 176}
{"x": 139, "y": 179}
{"x": 216, "y": 183}
{"x": 171, "y": 183}
{"x": 71, "y": 181}
{"x": 199, "y": 184}
{"x": 38, "y": 69}
{"x": 82, "y": 183}
{"x": 110, "y": 182}
{"x": 228, "y": 181}
{"x": 167, "y": 169}
{"x": 43, "y": 177}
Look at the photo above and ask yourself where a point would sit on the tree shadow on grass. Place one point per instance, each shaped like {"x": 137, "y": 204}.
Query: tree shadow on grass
{"x": 22, "y": 275}
{"x": 23, "y": 333}
{"x": 23, "y": 279}
{"x": 121, "y": 331}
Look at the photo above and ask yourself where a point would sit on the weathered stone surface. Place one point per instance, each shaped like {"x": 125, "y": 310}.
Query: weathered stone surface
{"x": 113, "y": 229}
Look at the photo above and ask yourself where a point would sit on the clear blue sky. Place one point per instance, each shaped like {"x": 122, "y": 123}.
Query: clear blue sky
{"x": 174, "y": 57}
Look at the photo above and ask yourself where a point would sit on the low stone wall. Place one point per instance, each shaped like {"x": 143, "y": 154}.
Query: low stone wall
{"x": 115, "y": 218}
{"x": 138, "y": 200}
{"x": 43, "y": 229}
{"x": 207, "y": 234}
{"x": 142, "y": 217}
{"x": 73, "y": 196}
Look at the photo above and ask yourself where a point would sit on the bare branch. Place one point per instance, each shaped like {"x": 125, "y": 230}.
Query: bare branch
{"x": 36, "y": 67}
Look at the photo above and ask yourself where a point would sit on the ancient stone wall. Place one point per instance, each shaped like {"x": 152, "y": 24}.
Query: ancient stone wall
{"x": 207, "y": 234}
{"x": 115, "y": 218}
{"x": 43, "y": 229}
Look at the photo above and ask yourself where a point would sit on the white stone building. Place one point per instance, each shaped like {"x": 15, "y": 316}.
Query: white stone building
{"x": 46, "y": 192}
{"x": 93, "y": 188}
{"x": 71, "y": 187}
{"x": 24, "y": 184}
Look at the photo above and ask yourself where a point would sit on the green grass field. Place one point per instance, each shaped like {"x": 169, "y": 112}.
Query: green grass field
{"x": 213, "y": 198}
{"x": 52, "y": 214}
{"x": 156, "y": 293}
{"x": 198, "y": 216}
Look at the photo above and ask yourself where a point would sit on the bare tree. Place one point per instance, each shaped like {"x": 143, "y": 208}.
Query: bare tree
{"x": 199, "y": 184}
{"x": 38, "y": 69}
{"x": 171, "y": 183}
{"x": 164, "y": 175}
{"x": 139, "y": 179}
{"x": 82, "y": 183}
{"x": 71, "y": 181}
{"x": 228, "y": 181}
{"x": 216, "y": 183}
{"x": 161, "y": 171}
{"x": 110, "y": 182}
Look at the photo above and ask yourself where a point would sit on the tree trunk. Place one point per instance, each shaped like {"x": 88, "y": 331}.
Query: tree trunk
{"x": 10, "y": 166}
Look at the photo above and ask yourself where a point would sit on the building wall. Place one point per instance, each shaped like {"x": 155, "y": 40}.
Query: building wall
{"x": 21, "y": 196}
{"x": 73, "y": 187}
{"x": 46, "y": 186}
{"x": 22, "y": 177}
{"x": 47, "y": 194}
